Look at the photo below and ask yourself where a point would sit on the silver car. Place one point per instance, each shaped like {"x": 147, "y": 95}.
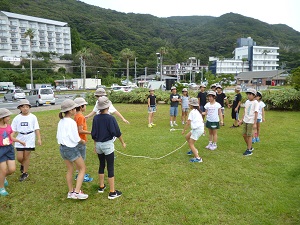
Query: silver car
{"x": 14, "y": 94}
{"x": 41, "y": 96}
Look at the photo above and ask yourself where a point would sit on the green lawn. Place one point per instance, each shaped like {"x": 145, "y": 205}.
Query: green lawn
{"x": 227, "y": 188}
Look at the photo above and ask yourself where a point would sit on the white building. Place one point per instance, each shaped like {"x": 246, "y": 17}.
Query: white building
{"x": 49, "y": 36}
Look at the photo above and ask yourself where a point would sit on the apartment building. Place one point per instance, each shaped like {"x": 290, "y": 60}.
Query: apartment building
{"x": 49, "y": 36}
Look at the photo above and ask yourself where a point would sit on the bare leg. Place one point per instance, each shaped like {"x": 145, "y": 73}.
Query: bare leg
{"x": 69, "y": 175}
{"x": 3, "y": 169}
{"x": 81, "y": 166}
{"x": 25, "y": 162}
{"x": 111, "y": 181}
{"x": 101, "y": 180}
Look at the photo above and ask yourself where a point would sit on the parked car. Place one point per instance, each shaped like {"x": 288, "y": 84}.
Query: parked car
{"x": 61, "y": 88}
{"x": 14, "y": 94}
{"x": 41, "y": 96}
{"x": 100, "y": 86}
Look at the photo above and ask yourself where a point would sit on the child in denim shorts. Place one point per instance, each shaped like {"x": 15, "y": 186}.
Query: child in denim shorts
{"x": 104, "y": 129}
{"x": 151, "y": 107}
{"x": 175, "y": 99}
{"x": 68, "y": 139}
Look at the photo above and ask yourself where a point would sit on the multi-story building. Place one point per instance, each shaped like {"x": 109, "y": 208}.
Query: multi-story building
{"x": 247, "y": 57}
{"x": 49, "y": 36}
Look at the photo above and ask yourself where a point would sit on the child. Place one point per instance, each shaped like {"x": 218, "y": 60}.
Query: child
{"x": 151, "y": 107}
{"x": 213, "y": 117}
{"x": 184, "y": 105}
{"x": 27, "y": 126}
{"x": 250, "y": 119}
{"x": 221, "y": 96}
{"x": 236, "y": 107}
{"x": 175, "y": 99}
{"x": 112, "y": 110}
{"x": 7, "y": 153}
{"x": 104, "y": 129}
{"x": 260, "y": 117}
{"x": 195, "y": 120}
{"x": 202, "y": 98}
{"x": 68, "y": 139}
{"x": 213, "y": 87}
{"x": 82, "y": 131}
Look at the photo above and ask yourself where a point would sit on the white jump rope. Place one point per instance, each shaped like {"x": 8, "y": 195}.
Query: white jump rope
{"x": 147, "y": 157}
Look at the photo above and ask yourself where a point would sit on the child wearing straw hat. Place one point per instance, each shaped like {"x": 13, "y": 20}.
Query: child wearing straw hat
{"x": 104, "y": 129}
{"x": 7, "y": 153}
{"x": 195, "y": 121}
{"x": 68, "y": 139}
{"x": 27, "y": 127}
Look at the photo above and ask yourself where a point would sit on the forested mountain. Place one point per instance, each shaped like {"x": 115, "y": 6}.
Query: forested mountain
{"x": 199, "y": 36}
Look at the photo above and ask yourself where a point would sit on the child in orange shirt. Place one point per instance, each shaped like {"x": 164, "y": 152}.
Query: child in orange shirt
{"x": 82, "y": 131}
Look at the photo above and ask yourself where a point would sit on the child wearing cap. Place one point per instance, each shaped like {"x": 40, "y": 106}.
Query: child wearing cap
{"x": 260, "y": 117}
{"x": 151, "y": 107}
{"x": 104, "y": 129}
{"x": 250, "y": 119}
{"x": 195, "y": 120}
{"x": 220, "y": 98}
{"x": 202, "y": 98}
{"x": 175, "y": 99}
{"x": 82, "y": 130}
{"x": 28, "y": 129}
{"x": 184, "y": 105}
{"x": 68, "y": 139}
{"x": 213, "y": 118}
{"x": 7, "y": 153}
{"x": 112, "y": 110}
{"x": 236, "y": 105}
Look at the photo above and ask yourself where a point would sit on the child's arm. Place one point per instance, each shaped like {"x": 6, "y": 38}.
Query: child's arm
{"x": 82, "y": 131}
{"x": 186, "y": 126}
{"x": 90, "y": 114}
{"x": 255, "y": 119}
{"x": 16, "y": 140}
{"x": 238, "y": 105}
{"x": 220, "y": 116}
{"x": 121, "y": 117}
{"x": 38, "y": 134}
{"x": 122, "y": 142}
{"x": 148, "y": 102}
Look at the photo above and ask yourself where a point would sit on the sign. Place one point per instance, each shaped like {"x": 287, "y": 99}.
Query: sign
{"x": 12, "y": 59}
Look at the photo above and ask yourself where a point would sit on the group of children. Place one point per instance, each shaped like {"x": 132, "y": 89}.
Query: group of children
{"x": 211, "y": 105}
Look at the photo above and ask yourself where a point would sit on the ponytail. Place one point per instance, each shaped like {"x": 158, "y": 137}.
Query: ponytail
{"x": 60, "y": 115}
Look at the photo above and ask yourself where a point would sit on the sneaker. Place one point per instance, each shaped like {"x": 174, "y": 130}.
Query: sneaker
{"x": 182, "y": 122}
{"x": 69, "y": 195}
{"x": 208, "y": 146}
{"x": 5, "y": 183}
{"x": 149, "y": 125}
{"x": 257, "y": 139}
{"x": 175, "y": 124}
{"x": 24, "y": 176}
{"x": 213, "y": 147}
{"x": 171, "y": 124}
{"x": 79, "y": 195}
{"x": 87, "y": 178}
{"x": 233, "y": 126}
{"x": 3, "y": 192}
{"x": 21, "y": 168}
{"x": 199, "y": 160}
{"x": 101, "y": 190}
{"x": 253, "y": 140}
{"x": 247, "y": 152}
{"x": 113, "y": 195}
{"x": 153, "y": 124}
{"x": 251, "y": 149}
{"x": 189, "y": 152}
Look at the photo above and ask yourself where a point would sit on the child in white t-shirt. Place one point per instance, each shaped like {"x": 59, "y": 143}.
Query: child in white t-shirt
{"x": 250, "y": 119}
{"x": 27, "y": 127}
{"x": 213, "y": 117}
{"x": 195, "y": 120}
{"x": 260, "y": 117}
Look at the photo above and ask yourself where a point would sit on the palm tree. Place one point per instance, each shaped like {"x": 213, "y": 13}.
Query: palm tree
{"x": 127, "y": 54}
{"x": 30, "y": 33}
{"x": 84, "y": 53}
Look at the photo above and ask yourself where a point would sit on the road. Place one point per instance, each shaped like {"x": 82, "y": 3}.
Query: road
{"x": 14, "y": 104}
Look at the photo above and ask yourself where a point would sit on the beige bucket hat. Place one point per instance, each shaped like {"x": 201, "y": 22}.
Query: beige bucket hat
{"x": 68, "y": 105}
{"x": 103, "y": 103}
{"x": 80, "y": 101}
{"x": 100, "y": 92}
{"x": 23, "y": 102}
{"x": 194, "y": 102}
{"x": 4, "y": 113}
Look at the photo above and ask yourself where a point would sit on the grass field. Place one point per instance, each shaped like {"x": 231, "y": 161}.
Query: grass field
{"x": 227, "y": 188}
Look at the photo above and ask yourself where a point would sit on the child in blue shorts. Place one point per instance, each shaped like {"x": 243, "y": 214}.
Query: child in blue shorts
{"x": 175, "y": 99}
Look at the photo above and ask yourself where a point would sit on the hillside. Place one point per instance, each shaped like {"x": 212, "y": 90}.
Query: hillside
{"x": 199, "y": 36}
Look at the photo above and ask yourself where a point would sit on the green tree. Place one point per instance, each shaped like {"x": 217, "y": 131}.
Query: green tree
{"x": 295, "y": 78}
{"x": 30, "y": 33}
{"x": 127, "y": 54}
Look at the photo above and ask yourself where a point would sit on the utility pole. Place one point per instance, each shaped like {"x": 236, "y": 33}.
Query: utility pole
{"x": 135, "y": 71}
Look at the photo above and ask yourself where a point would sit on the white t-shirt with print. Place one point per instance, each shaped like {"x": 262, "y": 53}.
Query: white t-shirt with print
{"x": 212, "y": 111}
{"x": 250, "y": 108}
{"x": 111, "y": 109}
{"x": 25, "y": 124}
{"x": 67, "y": 132}
{"x": 196, "y": 119}
{"x": 261, "y": 106}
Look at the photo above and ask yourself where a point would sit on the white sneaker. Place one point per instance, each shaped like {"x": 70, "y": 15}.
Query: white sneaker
{"x": 175, "y": 124}
{"x": 171, "y": 124}
{"x": 80, "y": 195}
{"x": 208, "y": 146}
{"x": 213, "y": 147}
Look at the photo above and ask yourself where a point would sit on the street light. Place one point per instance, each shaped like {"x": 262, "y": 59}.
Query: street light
{"x": 158, "y": 57}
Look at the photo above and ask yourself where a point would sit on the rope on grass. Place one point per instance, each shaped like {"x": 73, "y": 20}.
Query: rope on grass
{"x": 147, "y": 157}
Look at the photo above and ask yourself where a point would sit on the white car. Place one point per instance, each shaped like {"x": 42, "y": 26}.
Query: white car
{"x": 41, "y": 96}
{"x": 61, "y": 88}
{"x": 14, "y": 94}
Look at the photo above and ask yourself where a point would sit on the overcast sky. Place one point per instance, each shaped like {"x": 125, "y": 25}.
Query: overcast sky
{"x": 269, "y": 11}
